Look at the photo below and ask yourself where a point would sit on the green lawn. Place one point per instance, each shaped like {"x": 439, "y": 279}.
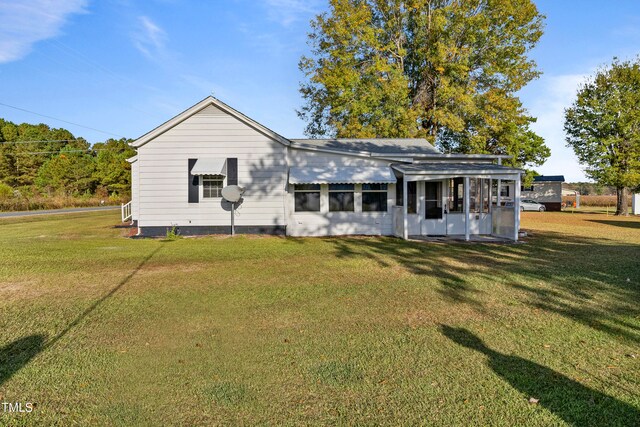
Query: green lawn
{"x": 96, "y": 328}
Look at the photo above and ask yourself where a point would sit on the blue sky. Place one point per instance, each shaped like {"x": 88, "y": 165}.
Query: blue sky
{"x": 125, "y": 66}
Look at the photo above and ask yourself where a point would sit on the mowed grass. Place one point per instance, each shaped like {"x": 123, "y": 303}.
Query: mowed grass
{"x": 96, "y": 328}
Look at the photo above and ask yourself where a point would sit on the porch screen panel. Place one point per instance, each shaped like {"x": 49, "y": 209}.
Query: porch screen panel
{"x": 456, "y": 195}
{"x": 412, "y": 197}
{"x": 486, "y": 195}
{"x": 474, "y": 195}
{"x": 433, "y": 200}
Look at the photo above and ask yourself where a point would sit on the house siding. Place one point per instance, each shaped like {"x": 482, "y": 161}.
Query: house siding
{"x": 210, "y": 133}
{"x": 325, "y": 223}
{"x": 135, "y": 191}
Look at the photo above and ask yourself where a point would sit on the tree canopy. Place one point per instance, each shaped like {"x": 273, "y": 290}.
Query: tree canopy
{"x": 603, "y": 127}
{"x": 38, "y": 158}
{"x": 444, "y": 70}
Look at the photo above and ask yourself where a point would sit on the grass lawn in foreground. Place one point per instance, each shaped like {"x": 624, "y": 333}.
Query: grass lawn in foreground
{"x": 96, "y": 328}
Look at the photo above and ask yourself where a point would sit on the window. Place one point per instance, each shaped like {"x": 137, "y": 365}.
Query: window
{"x": 307, "y": 197}
{"x": 341, "y": 197}
{"x": 374, "y": 197}
{"x": 529, "y": 188}
{"x": 433, "y": 200}
{"x": 456, "y": 195}
{"x": 212, "y": 186}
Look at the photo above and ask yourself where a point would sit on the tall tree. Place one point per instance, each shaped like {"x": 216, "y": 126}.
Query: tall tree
{"x": 69, "y": 173}
{"x": 445, "y": 70}
{"x": 603, "y": 128}
{"x": 113, "y": 171}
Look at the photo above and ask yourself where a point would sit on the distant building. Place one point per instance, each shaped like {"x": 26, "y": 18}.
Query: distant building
{"x": 545, "y": 189}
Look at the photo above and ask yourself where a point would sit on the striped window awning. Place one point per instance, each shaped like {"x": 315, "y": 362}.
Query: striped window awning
{"x": 342, "y": 175}
{"x": 209, "y": 167}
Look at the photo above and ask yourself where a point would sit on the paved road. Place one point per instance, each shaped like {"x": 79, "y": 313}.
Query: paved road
{"x": 57, "y": 211}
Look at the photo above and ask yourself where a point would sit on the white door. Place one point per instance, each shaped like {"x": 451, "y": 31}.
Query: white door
{"x": 455, "y": 206}
{"x": 434, "y": 223}
{"x": 413, "y": 207}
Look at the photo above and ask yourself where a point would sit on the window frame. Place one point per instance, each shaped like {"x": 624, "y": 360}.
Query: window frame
{"x": 383, "y": 188}
{"x": 218, "y": 190}
{"x": 342, "y": 191}
{"x": 297, "y": 189}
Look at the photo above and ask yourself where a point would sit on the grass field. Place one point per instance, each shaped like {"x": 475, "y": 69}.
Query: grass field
{"x": 99, "y": 329}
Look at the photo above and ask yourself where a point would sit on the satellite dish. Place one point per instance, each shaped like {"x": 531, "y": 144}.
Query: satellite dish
{"x": 232, "y": 193}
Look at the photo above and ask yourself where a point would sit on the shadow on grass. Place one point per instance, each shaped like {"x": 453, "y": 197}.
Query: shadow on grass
{"x": 17, "y": 354}
{"x": 625, "y": 224}
{"x": 592, "y": 281}
{"x": 573, "y": 402}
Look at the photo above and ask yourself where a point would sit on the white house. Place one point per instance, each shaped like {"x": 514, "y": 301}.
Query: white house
{"x": 309, "y": 187}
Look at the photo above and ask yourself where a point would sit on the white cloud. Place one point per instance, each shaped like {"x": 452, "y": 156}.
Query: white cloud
{"x": 286, "y": 12}
{"x": 149, "y": 38}
{"x": 26, "y": 22}
{"x": 548, "y": 98}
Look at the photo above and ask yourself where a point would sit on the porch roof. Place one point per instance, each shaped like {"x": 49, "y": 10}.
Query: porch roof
{"x": 455, "y": 169}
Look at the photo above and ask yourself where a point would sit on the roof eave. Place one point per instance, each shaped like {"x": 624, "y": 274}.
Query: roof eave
{"x": 455, "y": 155}
{"x": 458, "y": 172}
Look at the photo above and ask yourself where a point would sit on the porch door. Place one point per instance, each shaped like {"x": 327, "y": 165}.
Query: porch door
{"x": 455, "y": 209}
{"x": 413, "y": 207}
{"x": 434, "y": 223}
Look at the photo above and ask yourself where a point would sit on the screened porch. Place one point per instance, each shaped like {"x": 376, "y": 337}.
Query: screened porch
{"x": 457, "y": 199}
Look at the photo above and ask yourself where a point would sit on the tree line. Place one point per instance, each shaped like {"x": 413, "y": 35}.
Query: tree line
{"x": 37, "y": 160}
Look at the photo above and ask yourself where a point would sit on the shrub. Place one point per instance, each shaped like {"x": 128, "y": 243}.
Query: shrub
{"x": 6, "y": 192}
{"x": 173, "y": 233}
